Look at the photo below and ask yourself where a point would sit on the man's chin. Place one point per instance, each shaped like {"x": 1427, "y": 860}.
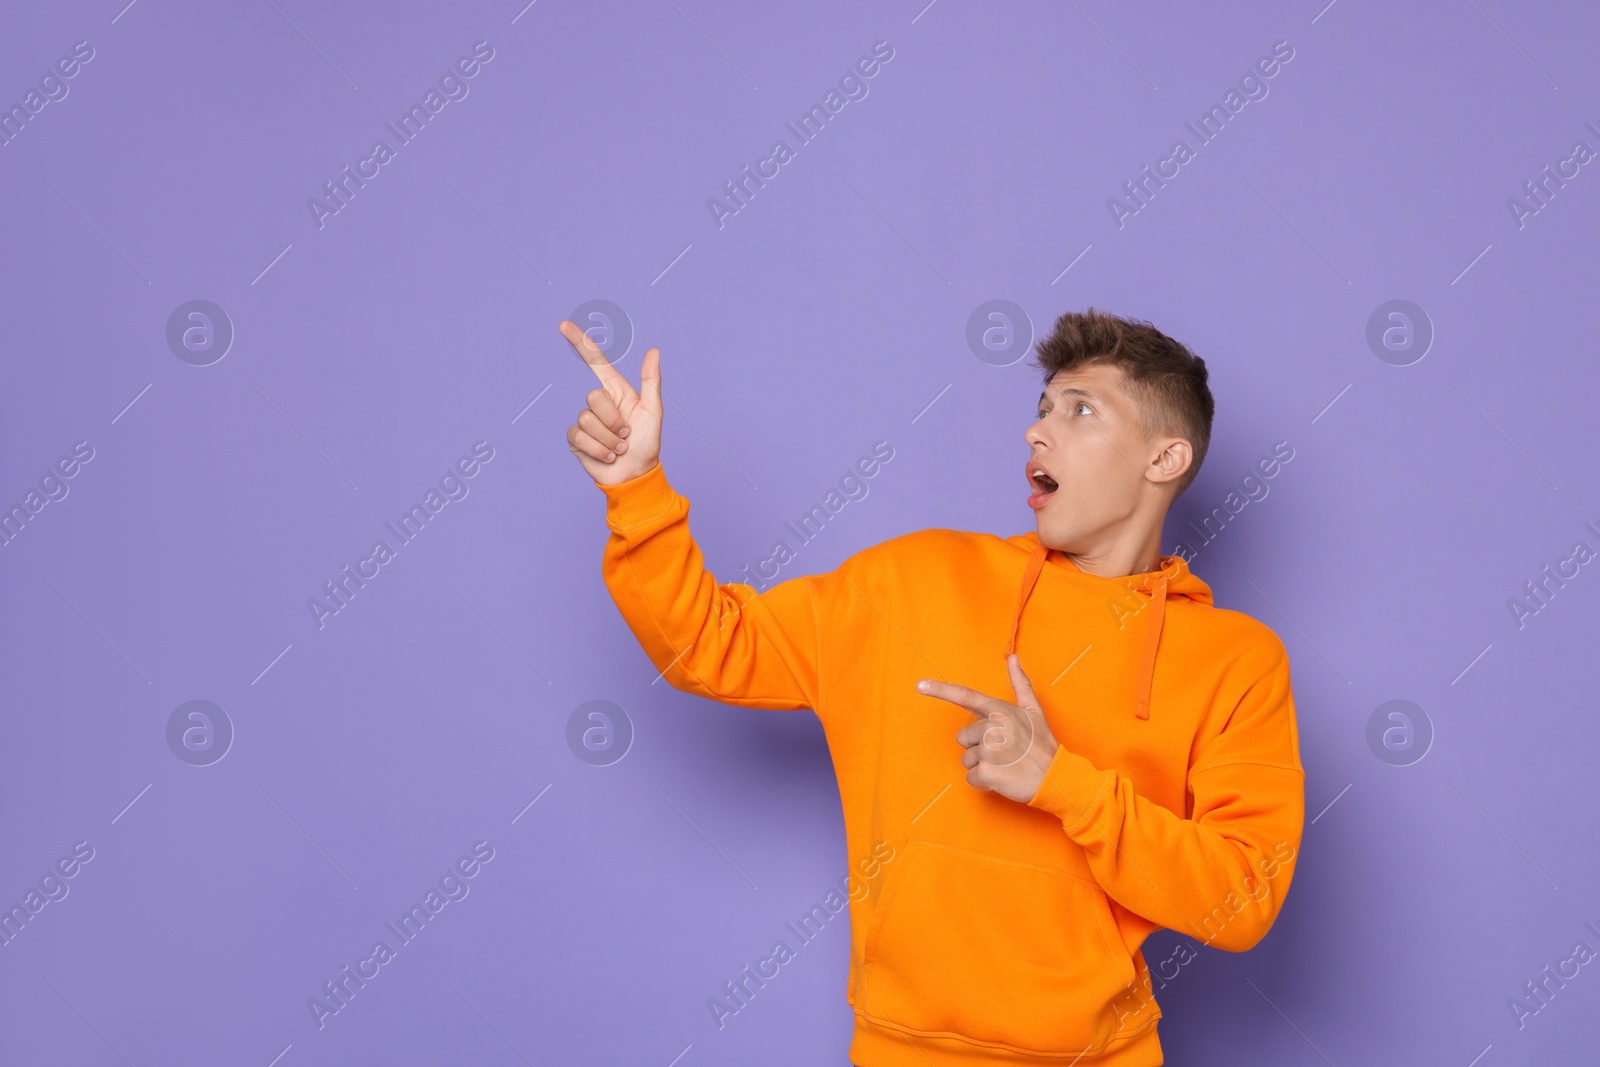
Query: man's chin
{"x": 1052, "y": 535}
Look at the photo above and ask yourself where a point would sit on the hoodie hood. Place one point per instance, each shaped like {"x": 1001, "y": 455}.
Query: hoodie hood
{"x": 1173, "y": 579}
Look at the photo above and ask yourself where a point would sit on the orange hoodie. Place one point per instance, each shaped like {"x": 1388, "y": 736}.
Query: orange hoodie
{"x": 999, "y": 933}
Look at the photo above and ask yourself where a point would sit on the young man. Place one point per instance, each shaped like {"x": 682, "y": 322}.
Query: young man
{"x": 1144, "y": 773}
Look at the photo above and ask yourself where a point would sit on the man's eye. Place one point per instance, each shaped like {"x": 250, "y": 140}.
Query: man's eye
{"x": 1081, "y": 404}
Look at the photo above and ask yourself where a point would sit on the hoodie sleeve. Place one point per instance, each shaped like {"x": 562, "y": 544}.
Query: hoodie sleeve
{"x": 725, "y": 642}
{"x": 1221, "y": 874}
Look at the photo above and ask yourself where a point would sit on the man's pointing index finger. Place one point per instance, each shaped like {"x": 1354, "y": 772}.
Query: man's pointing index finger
{"x": 974, "y": 701}
{"x": 591, "y": 354}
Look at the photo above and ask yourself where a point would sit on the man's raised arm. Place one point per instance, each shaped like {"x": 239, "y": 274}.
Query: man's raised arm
{"x": 724, "y": 642}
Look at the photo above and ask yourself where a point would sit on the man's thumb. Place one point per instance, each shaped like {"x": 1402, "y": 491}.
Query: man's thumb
{"x": 650, "y": 378}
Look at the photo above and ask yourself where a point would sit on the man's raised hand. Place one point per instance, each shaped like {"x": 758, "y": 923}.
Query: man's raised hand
{"x": 618, "y": 436}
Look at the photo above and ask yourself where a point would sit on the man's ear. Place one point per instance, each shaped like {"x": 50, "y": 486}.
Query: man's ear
{"x": 1171, "y": 461}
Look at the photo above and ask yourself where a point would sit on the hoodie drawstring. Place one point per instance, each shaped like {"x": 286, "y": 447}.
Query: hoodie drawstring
{"x": 1152, "y": 625}
{"x": 1152, "y": 638}
{"x": 1030, "y": 575}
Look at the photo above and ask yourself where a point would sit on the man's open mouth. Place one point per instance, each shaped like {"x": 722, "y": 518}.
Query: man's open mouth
{"x": 1043, "y": 485}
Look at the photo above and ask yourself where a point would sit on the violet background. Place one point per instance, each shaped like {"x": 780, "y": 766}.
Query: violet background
{"x": 828, "y": 314}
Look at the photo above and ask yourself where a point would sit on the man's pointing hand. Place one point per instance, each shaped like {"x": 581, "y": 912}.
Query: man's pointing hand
{"x": 618, "y": 436}
{"x": 1008, "y": 746}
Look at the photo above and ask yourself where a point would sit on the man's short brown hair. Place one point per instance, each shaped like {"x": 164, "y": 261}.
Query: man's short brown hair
{"x": 1167, "y": 380}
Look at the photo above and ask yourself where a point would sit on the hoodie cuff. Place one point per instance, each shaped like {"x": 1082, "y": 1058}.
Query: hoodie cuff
{"x": 1074, "y": 791}
{"x": 638, "y": 500}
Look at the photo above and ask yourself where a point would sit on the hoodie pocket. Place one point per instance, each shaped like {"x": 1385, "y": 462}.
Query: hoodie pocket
{"x": 998, "y": 952}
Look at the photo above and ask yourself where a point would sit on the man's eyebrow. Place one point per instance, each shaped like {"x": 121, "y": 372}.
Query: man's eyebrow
{"x": 1071, "y": 390}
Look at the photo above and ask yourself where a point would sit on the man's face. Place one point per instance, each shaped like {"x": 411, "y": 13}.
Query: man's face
{"x": 1088, "y": 442}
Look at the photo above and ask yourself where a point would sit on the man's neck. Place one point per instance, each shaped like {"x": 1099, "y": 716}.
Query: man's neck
{"x": 1121, "y": 556}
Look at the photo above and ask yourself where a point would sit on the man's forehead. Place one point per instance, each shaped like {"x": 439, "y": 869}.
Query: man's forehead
{"x": 1096, "y": 382}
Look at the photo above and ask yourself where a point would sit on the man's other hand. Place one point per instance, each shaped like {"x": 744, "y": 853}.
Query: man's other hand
{"x": 1008, "y": 746}
{"x": 618, "y": 436}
